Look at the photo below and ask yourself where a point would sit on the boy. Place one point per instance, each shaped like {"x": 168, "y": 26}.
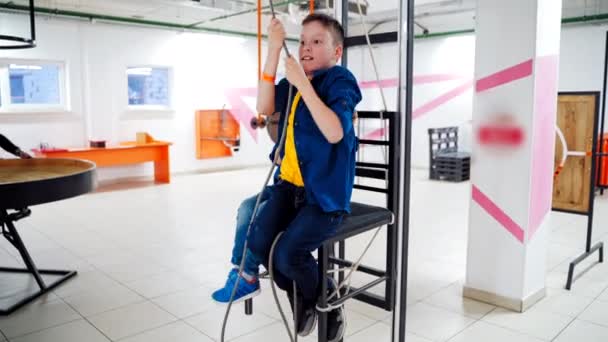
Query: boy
{"x": 249, "y": 285}
{"x": 316, "y": 175}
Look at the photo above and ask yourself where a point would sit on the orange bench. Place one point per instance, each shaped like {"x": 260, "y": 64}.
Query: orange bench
{"x": 126, "y": 153}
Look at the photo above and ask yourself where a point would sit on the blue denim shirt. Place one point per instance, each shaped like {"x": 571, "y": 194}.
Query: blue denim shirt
{"x": 328, "y": 169}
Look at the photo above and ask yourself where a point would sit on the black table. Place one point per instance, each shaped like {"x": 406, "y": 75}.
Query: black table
{"x": 24, "y": 183}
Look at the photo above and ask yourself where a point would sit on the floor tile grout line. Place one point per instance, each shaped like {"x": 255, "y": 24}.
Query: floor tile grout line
{"x": 461, "y": 330}
{"x": 195, "y": 328}
{"x": 418, "y": 335}
{"x": 109, "y": 310}
{"x": 526, "y": 334}
{"x": 512, "y": 330}
{"x": 594, "y": 323}
{"x": 183, "y": 320}
{"x": 489, "y": 312}
{"x": 373, "y": 322}
{"x": 563, "y": 329}
{"x": 145, "y": 331}
{"x": 251, "y": 332}
{"x": 457, "y": 312}
{"x": 43, "y": 329}
{"x": 176, "y": 319}
{"x": 439, "y": 290}
{"x": 389, "y": 314}
{"x": 122, "y": 307}
{"x": 577, "y": 317}
{"x": 126, "y": 286}
{"x": 87, "y": 320}
{"x": 361, "y": 331}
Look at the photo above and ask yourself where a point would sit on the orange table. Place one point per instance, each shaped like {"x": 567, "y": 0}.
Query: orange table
{"x": 126, "y": 153}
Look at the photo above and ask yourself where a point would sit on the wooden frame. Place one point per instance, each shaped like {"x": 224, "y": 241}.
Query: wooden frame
{"x": 577, "y": 116}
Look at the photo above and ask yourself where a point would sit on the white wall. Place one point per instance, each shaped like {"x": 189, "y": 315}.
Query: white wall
{"x": 581, "y": 69}
{"x": 205, "y": 65}
{"x": 582, "y": 58}
{"x": 57, "y": 42}
{"x": 450, "y": 57}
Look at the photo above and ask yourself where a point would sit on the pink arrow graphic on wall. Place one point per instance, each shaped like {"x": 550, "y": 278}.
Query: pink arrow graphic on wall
{"x": 244, "y": 114}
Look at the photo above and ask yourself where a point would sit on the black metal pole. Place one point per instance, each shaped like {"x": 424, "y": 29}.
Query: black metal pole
{"x": 392, "y": 203}
{"x": 344, "y": 20}
{"x": 18, "y": 243}
{"x": 406, "y": 45}
{"x": 323, "y": 260}
{"x": 32, "y": 22}
{"x": 249, "y": 307}
{"x": 593, "y": 176}
{"x": 589, "y": 250}
{"x": 341, "y": 256}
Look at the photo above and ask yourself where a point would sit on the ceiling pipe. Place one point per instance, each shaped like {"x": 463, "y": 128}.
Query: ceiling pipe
{"x": 7, "y": 7}
{"x": 11, "y": 7}
{"x": 251, "y": 10}
{"x": 588, "y": 19}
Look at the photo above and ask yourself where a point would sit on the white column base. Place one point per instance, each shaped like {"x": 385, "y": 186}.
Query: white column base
{"x": 517, "y": 305}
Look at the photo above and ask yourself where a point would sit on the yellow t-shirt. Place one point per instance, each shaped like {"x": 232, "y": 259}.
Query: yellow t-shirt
{"x": 290, "y": 168}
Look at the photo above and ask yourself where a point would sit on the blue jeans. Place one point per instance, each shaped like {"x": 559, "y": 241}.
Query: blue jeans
{"x": 243, "y": 217}
{"x": 304, "y": 226}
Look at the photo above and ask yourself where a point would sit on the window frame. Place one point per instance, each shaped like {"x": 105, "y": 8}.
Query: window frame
{"x": 142, "y": 108}
{"x": 6, "y": 105}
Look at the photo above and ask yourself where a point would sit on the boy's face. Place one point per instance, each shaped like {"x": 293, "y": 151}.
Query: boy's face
{"x": 317, "y": 48}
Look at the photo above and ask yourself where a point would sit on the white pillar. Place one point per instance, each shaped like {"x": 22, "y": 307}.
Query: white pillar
{"x": 515, "y": 103}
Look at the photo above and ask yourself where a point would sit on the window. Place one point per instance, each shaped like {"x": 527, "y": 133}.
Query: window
{"x": 32, "y": 86}
{"x": 148, "y": 87}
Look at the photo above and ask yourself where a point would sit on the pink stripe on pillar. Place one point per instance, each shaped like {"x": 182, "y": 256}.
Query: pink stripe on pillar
{"x": 543, "y": 144}
{"x": 498, "y": 214}
{"x": 508, "y": 75}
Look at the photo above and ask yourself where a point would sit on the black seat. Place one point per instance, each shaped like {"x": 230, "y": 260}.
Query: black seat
{"x": 362, "y": 218}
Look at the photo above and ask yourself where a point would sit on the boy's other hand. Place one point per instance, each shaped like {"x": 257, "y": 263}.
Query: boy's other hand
{"x": 276, "y": 34}
{"x": 294, "y": 73}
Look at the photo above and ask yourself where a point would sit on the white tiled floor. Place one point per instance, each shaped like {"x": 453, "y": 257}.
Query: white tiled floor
{"x": 131, "y": 319}
{"x": 540, "y": 324}
{"x": 148, "y": 257}
{"x": 583, "y": 331}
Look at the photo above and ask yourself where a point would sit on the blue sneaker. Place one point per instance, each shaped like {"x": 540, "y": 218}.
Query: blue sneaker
{"x": 244, "y": 290}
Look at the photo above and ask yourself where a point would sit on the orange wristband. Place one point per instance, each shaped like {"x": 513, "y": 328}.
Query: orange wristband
{"x": 268, "y": 78}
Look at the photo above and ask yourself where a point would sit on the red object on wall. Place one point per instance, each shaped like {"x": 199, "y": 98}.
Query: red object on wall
{"x": 604, "y": 175}
{"x": 500, "y": 135}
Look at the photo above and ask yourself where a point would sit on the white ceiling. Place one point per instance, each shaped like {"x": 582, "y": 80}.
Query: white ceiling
{"x": 435, "y": 15}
